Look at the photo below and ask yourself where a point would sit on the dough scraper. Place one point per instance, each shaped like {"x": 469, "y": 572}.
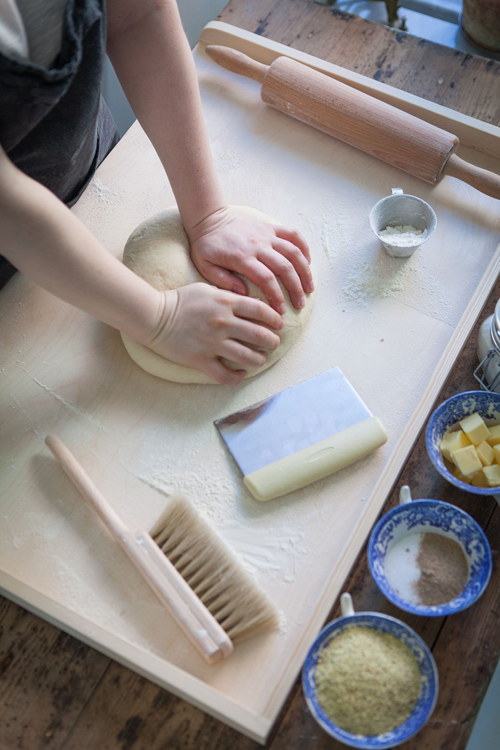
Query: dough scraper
{"x": 301, "y": 434}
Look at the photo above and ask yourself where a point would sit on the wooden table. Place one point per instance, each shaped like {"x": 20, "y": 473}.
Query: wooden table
{"x": 56, "y": 692}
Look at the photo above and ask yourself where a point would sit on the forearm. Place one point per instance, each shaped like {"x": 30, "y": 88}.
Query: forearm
{"x": 44, "y": 240}
{"x": 151, "y": 56}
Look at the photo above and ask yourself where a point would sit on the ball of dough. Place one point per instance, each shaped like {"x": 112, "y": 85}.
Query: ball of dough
{"x": 158, "y": 251}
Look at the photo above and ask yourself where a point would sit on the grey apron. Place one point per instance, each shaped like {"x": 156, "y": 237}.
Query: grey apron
{"x": 54, "y": 124}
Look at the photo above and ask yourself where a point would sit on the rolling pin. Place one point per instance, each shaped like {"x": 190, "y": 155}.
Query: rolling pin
{"x": 377, "y": 128}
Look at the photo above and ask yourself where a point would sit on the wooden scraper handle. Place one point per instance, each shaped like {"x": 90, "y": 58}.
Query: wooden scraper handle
{"x": 373, "y": 126}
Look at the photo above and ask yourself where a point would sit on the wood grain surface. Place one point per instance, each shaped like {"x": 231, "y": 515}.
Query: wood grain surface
{"x": 57, "y": 693}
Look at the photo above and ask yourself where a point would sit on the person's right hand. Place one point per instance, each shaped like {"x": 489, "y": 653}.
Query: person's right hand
{"x": 199, "y": 324}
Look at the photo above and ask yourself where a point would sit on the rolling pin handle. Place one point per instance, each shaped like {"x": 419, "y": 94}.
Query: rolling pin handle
{"x": 481, "y": 179}
{"x": 237, "y": 62}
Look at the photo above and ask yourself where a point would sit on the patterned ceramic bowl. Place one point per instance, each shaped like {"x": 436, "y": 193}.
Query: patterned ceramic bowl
{"x": 449, "y": 413}
{"x": 394, "y": 532}
{"x": 429, "y": 685}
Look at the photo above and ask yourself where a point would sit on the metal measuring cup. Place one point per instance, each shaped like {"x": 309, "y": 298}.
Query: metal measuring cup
{"x": 401, "y": 210}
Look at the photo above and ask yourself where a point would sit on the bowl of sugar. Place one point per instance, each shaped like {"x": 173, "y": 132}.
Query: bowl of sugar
{"x": 369, "y": 680}
{"x": 429, "y": 557}
{"x": 463, "y": 441}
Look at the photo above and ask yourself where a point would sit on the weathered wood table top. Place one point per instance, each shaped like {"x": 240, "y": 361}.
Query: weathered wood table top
{"x": 56, "y": 692}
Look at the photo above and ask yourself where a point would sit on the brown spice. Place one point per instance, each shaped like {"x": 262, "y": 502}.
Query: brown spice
{"x": 444, "y": 570}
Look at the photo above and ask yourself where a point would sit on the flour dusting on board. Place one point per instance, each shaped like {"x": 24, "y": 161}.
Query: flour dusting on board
{"x": 265, "y": 537}
{"x": 279, "y": 554}
{"x": 212, "y": 484}
{"x": 380, "y": 279}
{"x": 368, "y": 272}
{"x": 274, "y": 554}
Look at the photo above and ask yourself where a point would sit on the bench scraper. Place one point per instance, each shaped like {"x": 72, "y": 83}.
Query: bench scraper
{"x": 301, "y": 434}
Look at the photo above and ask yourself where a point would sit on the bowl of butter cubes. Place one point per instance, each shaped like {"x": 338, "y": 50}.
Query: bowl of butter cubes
{"x": 463, "y": 441}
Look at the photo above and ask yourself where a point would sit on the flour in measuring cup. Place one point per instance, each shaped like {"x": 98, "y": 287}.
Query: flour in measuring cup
{"x": 403, "y": 236}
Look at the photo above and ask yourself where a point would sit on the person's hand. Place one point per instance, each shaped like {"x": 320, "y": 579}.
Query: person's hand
{"x": 199, "y": 324}
{"x": 227, "y": 241}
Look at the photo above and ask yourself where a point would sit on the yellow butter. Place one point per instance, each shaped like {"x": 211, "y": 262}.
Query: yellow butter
{"x": 494, "y": 437}
{"x": 496, "y": 454}
{"x": 479, "y": 480}
{"x": 475, "y": 428}
{"x": 453, "y": 441}
{"x": 486, "y": 453}
{"x": 466, "y": 460}
{"x": 458, "y": 475}
{"x": 492, "y": 474}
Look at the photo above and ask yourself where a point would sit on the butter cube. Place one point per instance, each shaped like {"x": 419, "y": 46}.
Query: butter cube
{"x": 479, "y": 480}
{"x": 494, "y": 437}
{"x": 496, "y": 454}
{"x": 467, "y": 461}
{"x": 458, "y": 475}
{"x": 453, "y": 441}
{"x": 475, "y": 428}
{"x": 492, "y": 474}
{"x": 486, "y": 453}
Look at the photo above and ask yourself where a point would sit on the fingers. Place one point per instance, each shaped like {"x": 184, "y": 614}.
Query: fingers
{"x": 236, "y": 352}
{"x": 262, "y": 276}
{"x": 287, "y": 259}
{"x": 222, "y": 374}
{"x": 298, "y": 261}
{"x": 253, "y": 335}
{"x": 291, "y": 235}
{"x": 275, "y": 264}
{"x": 293, "y": 270}
{"x": 254, "y": 309}
{"x": 223, "y": 279}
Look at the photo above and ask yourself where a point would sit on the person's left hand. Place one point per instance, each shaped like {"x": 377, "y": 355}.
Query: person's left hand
{"x": 227, "y": 242}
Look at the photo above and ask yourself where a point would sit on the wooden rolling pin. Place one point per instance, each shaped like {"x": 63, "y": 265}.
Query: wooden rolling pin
{"x": 377, "y": 128}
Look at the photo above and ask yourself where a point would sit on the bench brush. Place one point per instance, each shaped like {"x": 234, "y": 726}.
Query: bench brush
{"x": 213, "y": 572}
{"x": 194, "y": 575}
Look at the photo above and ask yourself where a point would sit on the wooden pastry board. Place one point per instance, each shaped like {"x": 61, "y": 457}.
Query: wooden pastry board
{"x": 393, "y": 326}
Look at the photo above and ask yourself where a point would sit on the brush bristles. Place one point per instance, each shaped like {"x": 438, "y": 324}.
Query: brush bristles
{"x": 213, "y": 572}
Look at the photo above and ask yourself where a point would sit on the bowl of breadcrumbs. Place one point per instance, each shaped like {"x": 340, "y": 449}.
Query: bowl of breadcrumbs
{"x": 369, "y": 680}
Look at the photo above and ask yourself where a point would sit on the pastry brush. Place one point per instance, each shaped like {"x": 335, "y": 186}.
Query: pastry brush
{"x": 214, "y": 570}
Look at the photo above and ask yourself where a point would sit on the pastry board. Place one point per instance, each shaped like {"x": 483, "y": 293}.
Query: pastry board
{"x": 393, "y": 326}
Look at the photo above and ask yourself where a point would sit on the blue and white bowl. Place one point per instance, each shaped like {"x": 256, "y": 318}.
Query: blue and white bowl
{"x": 428, "y": 691}
{"x": 486, "y": 403}
{"x": 434, "y": 516}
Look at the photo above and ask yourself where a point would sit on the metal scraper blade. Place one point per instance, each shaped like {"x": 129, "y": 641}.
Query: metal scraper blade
{"x": 292, "y": 420}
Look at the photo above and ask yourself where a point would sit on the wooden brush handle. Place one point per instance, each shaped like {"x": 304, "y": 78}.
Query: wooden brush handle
{"x": 170, "y": 587}
{"x": 371, "y": 125}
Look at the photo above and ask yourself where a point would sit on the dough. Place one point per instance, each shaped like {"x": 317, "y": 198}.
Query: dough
{"x": 158, "y": 251}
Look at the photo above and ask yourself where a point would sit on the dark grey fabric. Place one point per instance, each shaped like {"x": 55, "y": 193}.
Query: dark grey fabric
{"x": 54, "y": 124}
